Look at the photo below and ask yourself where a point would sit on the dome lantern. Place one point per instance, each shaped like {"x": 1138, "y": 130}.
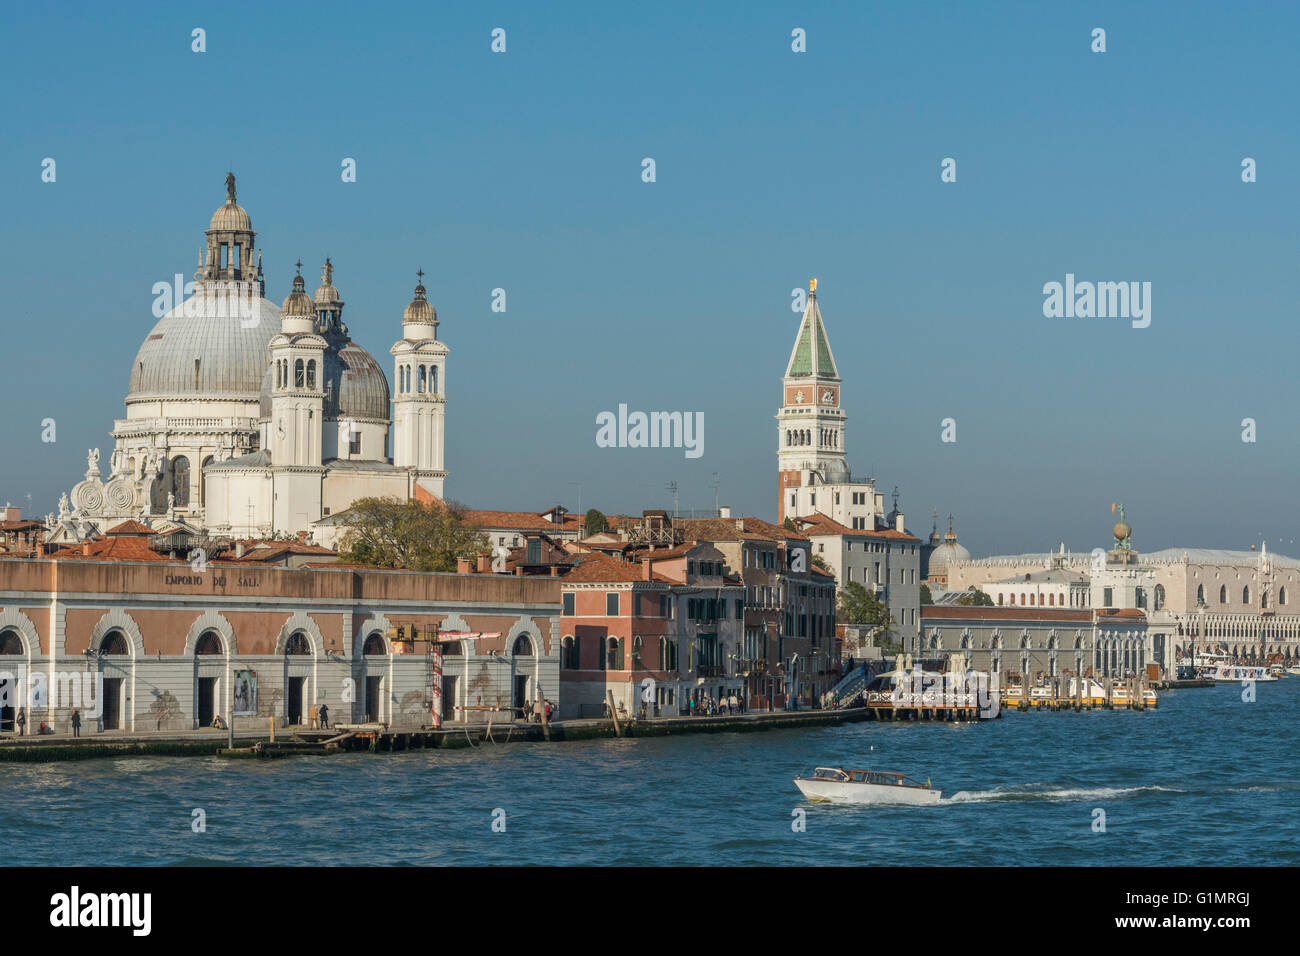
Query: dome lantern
{"x": 420, "y": 320}
{"x": 298, "y": 313}
{"x": 230, "y": 242}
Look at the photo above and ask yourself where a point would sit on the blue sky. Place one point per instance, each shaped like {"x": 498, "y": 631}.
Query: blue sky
{"x": 522, "y": 171}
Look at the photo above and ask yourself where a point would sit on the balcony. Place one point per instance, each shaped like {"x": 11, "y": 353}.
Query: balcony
{"x": 710, "y": 670}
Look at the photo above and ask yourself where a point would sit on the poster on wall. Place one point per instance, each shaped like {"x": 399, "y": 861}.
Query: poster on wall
{"x": 245, "y": 693}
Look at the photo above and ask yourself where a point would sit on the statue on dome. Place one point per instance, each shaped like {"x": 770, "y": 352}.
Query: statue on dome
{"x": 92, "y": 459}
{"x": 230, "y": 187}
{"x": 64, "y": 507}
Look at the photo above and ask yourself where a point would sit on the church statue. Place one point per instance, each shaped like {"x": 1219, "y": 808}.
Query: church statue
{"x": 230, "y": 187}
{"x": 64, "y": 508}
{"x": 92, "y": 459}
{"x": 171, "y": 504}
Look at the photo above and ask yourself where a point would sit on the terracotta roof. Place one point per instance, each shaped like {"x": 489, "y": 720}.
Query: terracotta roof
{"x": 957, "y": 612}
{"x": 1125, "y": 612}
{"x": 119, "y": 548}
{"x": 131, "y": 527}
{"x": 734, "y": 529}
{"x": 520, "y": 520}
{"x": 272, "y": 550}
{"x": 20, "y": 524}
{"x": 596, "y": 568}
{"x": 821, "y": 524}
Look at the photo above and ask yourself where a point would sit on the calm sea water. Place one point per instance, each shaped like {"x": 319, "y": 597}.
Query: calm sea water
{"x": 1207, "y": 779}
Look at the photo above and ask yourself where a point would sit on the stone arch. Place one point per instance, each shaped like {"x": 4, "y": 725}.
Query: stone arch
{"x": 12, "y": 618}
{"x": 301, "y": 622}
{"x": 211, "y": 621}
{"x": 118, "y": 620}
{"x": 526, "y": 627}
{"x": 376, "y": 623}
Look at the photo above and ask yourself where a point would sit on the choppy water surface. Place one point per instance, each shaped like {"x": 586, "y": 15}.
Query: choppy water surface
{"x": 1207, "y": 779}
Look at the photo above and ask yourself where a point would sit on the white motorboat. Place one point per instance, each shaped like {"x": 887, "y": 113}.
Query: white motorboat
{"x": 1293, "y": 670}
{"x": 837, "y": 785}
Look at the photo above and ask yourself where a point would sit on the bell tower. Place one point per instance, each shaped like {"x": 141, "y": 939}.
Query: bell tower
{"x": 297, "y": 412}
{"x": 810, "y": 423}
{"x": 420, "y": 399}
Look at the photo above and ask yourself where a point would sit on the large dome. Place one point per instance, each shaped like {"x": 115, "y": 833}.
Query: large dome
{"x": 211, "y": 344}
{"x": 355, "y": 385}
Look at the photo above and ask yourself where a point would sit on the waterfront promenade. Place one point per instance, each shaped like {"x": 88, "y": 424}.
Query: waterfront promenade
{"x": 208, "y": 741}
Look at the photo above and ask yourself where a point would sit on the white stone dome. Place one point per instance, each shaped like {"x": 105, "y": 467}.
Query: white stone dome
{"x": 230, "y": 217}
{"x": 214, "y": 343}
{"x": 946, "y": 555}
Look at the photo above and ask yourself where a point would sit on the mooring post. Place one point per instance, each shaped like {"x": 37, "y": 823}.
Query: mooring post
{"x": 613, "y": 712}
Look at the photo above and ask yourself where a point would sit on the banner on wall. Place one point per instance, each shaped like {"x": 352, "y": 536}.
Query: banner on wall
{"x": 245, "y": 693}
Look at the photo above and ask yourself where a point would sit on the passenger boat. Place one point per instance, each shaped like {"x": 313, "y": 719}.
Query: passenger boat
{"x": 1294, "y": 670}
{"x": 1220, "y": 667}
{"x": 837, "y": 785}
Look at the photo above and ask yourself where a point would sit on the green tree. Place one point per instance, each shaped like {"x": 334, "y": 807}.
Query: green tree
{"x": 788, "y": 524}
{"x": 859, "y": 606}
{"x": 409, "y": 535}
{"x": 820, "y": 562}
{"x": 975, "y": 598}
{"x": 596, "y": 522}
{"x": 926, "y": 596}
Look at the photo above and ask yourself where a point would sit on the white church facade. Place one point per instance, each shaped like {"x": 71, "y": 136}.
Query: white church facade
{"x": 251, "y": 420}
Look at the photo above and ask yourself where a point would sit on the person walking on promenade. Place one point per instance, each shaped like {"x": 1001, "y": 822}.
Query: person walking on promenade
{"x": 733, "y": 705}
{"x": 76, "y": 722}
{"x": 22, "y": 721}
{"x": 325, "y": 716}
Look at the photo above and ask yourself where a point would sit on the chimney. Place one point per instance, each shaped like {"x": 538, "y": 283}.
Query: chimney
{"x": 647, "y": 570}
{"x": 898, "y": 522}
{"x": 85, "y": 547}
{"x": 239, "y": 549}
{"x": 462, "y": 566}
{"x": 724, "y": 511}
{"x": 484, "y": 563}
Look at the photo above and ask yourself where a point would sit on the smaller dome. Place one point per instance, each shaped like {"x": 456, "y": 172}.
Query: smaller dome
{"x": 297, "y": 303}
{"x": 326, "y": 294}
{"x": 420, "y": 312}
{"x": 230, "y": 217}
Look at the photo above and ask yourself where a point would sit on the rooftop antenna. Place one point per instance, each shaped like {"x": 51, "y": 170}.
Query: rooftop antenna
{"x": 579, "y": 484}
{"x": 672, "y": 486}
{"x": 716, "y": 509}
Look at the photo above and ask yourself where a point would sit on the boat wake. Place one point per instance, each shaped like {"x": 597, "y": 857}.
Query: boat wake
{"x": 1039, "y": 792}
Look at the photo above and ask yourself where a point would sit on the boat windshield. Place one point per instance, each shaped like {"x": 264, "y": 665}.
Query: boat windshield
{"x": 830, "y": 773}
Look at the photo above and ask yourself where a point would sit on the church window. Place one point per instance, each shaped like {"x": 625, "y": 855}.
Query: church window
{"x": 433, "y": 380}
{"x": 354, "y": 443}
{"x": 224, "y": 250}
{"x": 181, "y": 480}
{"x": 420, "y": 387}
{"x": 196, "y": 375}
{"x": 311, "y": 374}
{"x": 298, "y": 377}
{"x": 1223, "y": 594}
{"x": 1245, "y": 595}
{"x": 1281, "y": 596}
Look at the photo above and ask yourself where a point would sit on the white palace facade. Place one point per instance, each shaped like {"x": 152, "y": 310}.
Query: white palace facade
{"x": 248, "y": 419}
